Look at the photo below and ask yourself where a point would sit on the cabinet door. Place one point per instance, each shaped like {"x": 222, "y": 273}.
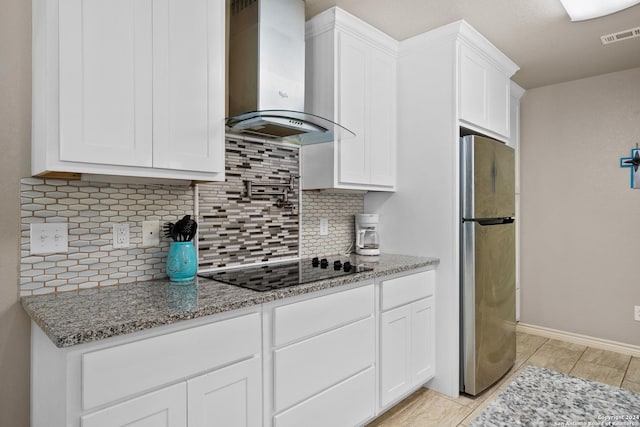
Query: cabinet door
{"x": 395, "y": 353}
{"x": 381, "y": 137}
{"x": 353, "y": 165}
{"x": 473, "y": 87}
{"x": 229, "y": 397}
{"x": 422, "y": 341}
{"x": 163, "y": 408}
{"x": 188, "y": 80}
{"x": 498, "y": 102}
{"x": 105, "y": 81}
{"x": 484, "y": 93}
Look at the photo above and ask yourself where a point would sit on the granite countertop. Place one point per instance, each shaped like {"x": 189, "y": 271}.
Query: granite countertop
{"x": 78, "y": 317}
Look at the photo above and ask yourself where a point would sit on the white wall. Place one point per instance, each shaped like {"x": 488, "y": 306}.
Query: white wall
{"x": 580, "y": 221}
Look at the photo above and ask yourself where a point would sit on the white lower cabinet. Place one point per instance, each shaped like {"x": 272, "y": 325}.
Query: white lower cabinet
{"x": 306, "y": 368}
{"x": 227, "y": 397}
{"x": 407, "y": 336}
{"x": 423, "y": 340}
{"x": 197, "y": 373}
{"x": 348, "y": 403}
{"x": 337, "y": 357}
{"x": 324, "y": 373}
{"x": 163, "y": 408}
{"x": 395, "y": 350}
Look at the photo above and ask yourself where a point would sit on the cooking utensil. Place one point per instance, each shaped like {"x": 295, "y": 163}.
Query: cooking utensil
{"x": 189, "y": 230}
{"x": 168, "y": 228}
{"x": 184, "y": 230}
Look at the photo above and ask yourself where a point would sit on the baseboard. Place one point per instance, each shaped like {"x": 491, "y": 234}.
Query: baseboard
{"x": 632, "y": 350}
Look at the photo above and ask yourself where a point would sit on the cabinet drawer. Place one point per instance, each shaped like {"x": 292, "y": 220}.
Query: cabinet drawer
{"x": 310, "y": 317}
{"x": 311, "y": 366}
{"x": 132, "y": 368}
{"x": 346, "y": 404}
{"x": 405, "y": 289}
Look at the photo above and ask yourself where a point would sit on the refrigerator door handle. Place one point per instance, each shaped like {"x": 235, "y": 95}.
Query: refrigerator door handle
{"x": 491, "y": 221}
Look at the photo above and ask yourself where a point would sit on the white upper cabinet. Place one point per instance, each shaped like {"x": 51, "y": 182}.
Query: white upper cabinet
{"x": 351, "y": 79}
{"x": 105, "y": 86}
{"x": 483, "y": 86}
{"x": 125, "y": 87}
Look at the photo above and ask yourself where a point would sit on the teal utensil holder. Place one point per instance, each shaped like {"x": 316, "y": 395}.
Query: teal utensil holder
{"x": 182, "y": 263}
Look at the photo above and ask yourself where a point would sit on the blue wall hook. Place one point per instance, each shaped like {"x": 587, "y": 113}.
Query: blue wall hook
{"x": 633, "y": 164}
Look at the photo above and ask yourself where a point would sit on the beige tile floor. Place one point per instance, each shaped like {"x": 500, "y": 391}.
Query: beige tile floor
{"x": 428, "y": 408}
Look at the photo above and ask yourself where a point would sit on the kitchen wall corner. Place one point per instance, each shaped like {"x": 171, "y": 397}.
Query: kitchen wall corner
{"x": 339, "y": 209}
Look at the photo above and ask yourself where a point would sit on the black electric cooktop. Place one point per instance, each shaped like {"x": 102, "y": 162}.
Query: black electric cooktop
{"x": 285, "y": 274}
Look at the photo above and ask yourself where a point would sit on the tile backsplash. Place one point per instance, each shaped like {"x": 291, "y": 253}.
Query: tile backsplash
{"x": 233, "y": 228}
{"x": 339, "y": 209}
{"x": 91, "y": 209}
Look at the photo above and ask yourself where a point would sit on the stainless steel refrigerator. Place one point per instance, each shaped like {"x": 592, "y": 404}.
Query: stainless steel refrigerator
{"x": 487, "y": 260}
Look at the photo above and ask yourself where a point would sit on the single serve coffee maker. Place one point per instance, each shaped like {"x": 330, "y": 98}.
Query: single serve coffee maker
{"x": 367, "y": 240}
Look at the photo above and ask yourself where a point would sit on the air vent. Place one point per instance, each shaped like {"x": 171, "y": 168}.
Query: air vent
{"x": 621, "y": 35}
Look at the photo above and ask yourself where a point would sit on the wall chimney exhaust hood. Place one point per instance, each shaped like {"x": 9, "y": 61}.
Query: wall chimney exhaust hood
{"x": 266, "y": 74}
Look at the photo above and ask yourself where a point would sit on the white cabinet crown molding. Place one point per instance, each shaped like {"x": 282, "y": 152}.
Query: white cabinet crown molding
{"x": 428, "y": 39}
{"x": 465, "y": 33}
{"x": 336, "y": 18}
{"x": 473, "y": 38}
{"x": 516, "y": 90}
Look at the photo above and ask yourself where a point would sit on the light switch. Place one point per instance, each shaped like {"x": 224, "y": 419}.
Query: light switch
{"x": 324, "y": 226}
{"x": 49, "y": 238}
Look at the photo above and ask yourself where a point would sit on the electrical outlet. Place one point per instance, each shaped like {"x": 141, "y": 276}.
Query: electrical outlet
{"x": 120, "y": 236}
{"x": 636, "y": 313}
{"x": 150, "y": 233}
{"x": 324, "y": 226}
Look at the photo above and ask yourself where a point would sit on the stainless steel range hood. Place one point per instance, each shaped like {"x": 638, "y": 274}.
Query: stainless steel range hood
{"x": 266, "y": 74}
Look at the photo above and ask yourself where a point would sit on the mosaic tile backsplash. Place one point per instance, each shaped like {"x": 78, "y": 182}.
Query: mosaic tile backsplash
{"x": 91, "y": 209}
{"x": 237, "y": 229}
{"x": 339, "y": 209}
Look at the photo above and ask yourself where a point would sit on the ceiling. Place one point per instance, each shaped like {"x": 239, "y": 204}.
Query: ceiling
{"x": 536, "y": 34}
